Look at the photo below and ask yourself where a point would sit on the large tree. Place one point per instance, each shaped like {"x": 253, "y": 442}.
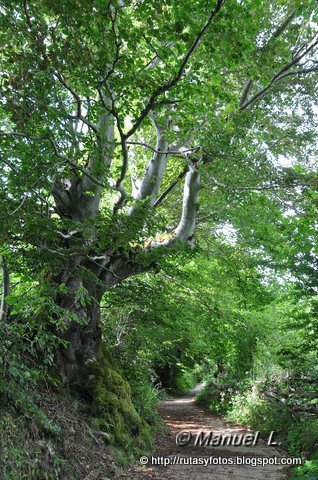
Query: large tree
{"x": 112, "y": 110}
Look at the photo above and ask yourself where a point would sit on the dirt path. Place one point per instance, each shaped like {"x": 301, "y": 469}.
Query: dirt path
{"x": 183, "y": 415}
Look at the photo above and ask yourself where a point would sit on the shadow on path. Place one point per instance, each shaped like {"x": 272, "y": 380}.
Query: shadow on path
{"x": 185, "y": 419}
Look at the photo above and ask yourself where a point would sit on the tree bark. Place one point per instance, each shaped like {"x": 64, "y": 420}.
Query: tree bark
{"x": 83, "y": 344}
{"x": 81, "y": 328}
{"x": 4, "y": 308}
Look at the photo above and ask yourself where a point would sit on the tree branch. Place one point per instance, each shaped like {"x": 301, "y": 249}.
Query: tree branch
{"x": 281, "y": 28}
{"x": 173, "y": 82}
{"x": 166, "y": 192}
{"x": 117, "y": 42}
{"x": 185, "y": 229}
{"x": 280, "y": 75}
{"x": 245, "y": 92}
{"x": 206, "y": 158}
{"x": 118, "y": 186}
{"x": 27, "y": 16}
{"x": 77, "y": 167}
{"x": 78, "y": 101}
{"x": 175, "y": 153}
{"x": 152, "y": 178}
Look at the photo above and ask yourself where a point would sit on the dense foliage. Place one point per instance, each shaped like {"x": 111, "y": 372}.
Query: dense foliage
{"x": 158, "y": 187}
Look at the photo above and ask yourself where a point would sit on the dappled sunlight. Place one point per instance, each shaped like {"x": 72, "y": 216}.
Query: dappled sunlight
{"x": 158, "y": 224}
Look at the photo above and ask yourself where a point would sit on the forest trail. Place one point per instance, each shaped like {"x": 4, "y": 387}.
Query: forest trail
{"x": 183, "y": 415}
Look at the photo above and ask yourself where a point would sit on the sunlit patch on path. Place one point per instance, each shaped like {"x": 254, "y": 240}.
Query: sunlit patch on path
{"x": 183, "y": 415}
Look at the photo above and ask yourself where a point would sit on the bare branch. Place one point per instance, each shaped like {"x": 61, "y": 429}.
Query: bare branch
{"x": 181, "y": 175}
{"x": 19, "y": 206}
{"x": 175, "y": 153}
{"x": 280, "y": 29}
{"x": 279, "y": 185}
{"x": 285, "y": 24}
{"x": 27, "y": 16}
{"x": 185, "y": 229}
{"x": 300, "y": 71}
{"x": 156, "y": 57}
{"x": 118, "y": 43}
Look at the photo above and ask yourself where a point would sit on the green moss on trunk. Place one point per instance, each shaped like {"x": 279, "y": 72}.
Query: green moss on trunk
{"x": 112, "y": 406}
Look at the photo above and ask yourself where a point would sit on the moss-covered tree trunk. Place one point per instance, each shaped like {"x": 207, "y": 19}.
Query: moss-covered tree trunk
{"x": 88, "y": 369}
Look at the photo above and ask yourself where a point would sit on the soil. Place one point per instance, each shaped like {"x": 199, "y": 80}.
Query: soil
{"x": 183, "y": 415}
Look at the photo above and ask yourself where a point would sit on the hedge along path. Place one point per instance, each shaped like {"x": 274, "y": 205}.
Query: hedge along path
{"x": 183, "y": 415}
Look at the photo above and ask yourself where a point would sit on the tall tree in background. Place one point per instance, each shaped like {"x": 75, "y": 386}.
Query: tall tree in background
{"x": 111, "y": 111}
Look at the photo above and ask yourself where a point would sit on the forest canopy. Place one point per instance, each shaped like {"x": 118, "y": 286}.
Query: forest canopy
{"x": 158, "y": 187}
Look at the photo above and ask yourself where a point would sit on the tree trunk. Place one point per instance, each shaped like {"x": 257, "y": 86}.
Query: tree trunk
{"x": 4, "y": 307}
{"x": 81, "y": 321}
{"x": 83, "y": 337}
{"x": 77, "y": 199}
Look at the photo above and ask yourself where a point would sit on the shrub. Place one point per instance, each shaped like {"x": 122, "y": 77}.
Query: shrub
{"x": 302, "y": 438}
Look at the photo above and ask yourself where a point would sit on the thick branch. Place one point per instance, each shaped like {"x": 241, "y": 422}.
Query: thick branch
{"x": 206, "y": 158}
{"x": 155, "y": 170}
{"x": 185, "y": 229}
{"x": 100, "y": 164}
{"x": 118, "y": 186}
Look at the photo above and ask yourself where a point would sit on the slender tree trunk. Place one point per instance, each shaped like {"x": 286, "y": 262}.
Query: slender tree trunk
{"x": 4, "y": 308}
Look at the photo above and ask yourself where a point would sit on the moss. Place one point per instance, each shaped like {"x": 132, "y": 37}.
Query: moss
{"x": 112, "y": 406}
{"x": 30, "y": 451}
{"x": 45, "y": 431}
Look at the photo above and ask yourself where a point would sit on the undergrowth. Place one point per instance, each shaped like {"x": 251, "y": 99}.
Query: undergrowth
{"x": 263, "y": 409}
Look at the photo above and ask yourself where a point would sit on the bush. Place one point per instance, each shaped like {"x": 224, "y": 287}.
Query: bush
{"x": 260, "y": 413}
{"x": 216, "y": 396}
{"x": 302, "y": 438}
{"x": 309, "y": 471}
{"x": 263, "y": 412}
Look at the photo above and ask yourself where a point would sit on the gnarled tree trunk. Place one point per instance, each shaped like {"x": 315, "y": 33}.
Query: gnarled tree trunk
{"x": 81, "y": 322}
